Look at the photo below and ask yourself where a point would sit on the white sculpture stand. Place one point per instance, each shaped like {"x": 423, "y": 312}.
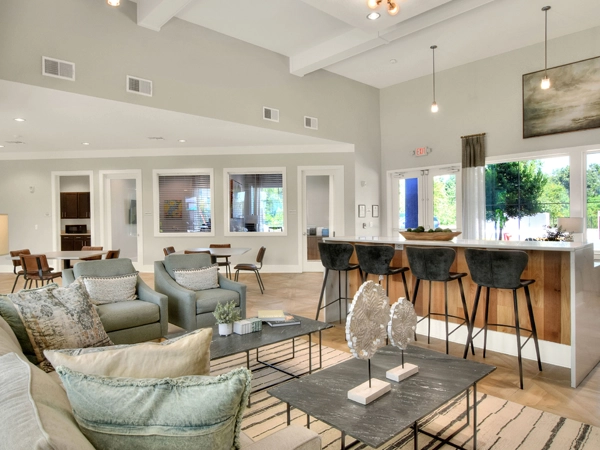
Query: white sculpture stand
{"x": 364, "y": 394}
{"x": 401, "y": 373}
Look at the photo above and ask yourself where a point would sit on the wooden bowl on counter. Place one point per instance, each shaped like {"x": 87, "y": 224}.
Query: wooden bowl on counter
{"x": 425, "y": 236}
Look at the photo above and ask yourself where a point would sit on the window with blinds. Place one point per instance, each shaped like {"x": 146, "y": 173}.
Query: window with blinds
{"x": 185, "y": 204}
{"x": 256, "y": 202}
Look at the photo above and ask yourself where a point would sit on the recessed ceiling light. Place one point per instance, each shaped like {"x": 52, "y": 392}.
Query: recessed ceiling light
{"x": 182, "y": 140}
{"x": 393, "y": 61}
{"x": 373, "y": 16}
{"x": 18, "y": 119}
{"x": 85, "y": 143}
{"x": 1, "y": 146}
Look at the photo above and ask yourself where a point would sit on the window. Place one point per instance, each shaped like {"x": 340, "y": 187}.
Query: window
{"x": 592, "y": 228}
{"x": 256, "y": 201}
{"x": 523, "y": 197}
{"x": 183, "y": 201}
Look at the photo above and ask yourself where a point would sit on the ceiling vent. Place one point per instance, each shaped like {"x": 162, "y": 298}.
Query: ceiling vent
{"x": 156, "y": 138}
{"x": 311, "y": 122}
{"x": 270, "y": 114}
{"x": 58, "y": 69}
{"x": 139, "y": 86}
{"x": 15, "y": 142}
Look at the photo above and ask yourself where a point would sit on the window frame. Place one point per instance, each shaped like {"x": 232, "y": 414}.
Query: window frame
{"x": 156, "y": 173}
{"x": 251, "y": 171}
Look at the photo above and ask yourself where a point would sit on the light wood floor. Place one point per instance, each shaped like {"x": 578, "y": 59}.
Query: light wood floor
{"x": 548, "y": 390}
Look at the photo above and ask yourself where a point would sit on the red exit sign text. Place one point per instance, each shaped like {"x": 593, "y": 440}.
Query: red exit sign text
{"x": 421, "y": 151}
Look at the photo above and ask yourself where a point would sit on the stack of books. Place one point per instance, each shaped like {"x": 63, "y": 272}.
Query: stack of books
{"x": 246, "y": 326}
{"x": 277, "y": 318}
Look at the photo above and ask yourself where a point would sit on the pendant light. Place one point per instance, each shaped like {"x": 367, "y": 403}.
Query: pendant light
{"x": 545, "y": 81}
{"x": 392, "y": 7}
{"x": 434, "y": 106}
{"x": 113, "y": 2}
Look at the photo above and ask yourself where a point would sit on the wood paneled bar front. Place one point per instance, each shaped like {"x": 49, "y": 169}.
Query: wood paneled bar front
{"x": 565, "y": 298}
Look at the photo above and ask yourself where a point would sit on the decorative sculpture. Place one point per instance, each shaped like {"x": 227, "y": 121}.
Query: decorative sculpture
{"x": 401, "y": 329}
{"x": 366, "y": 332}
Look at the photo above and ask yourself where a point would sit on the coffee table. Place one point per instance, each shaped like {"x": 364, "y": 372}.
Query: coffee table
{"x": 441, "y": 378}
{"x": 222, "y": 346}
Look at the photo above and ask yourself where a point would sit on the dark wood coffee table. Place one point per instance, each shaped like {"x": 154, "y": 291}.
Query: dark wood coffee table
{"x": 223, "y": 346}
{"x": 441, "y": 378}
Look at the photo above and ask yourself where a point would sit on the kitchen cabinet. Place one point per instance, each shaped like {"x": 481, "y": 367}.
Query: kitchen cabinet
{"x": 74, "y": 242}
{"x": 75, "y": 205}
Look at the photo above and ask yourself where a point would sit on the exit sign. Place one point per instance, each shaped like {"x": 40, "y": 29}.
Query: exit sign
{"x": 421, "y": 151}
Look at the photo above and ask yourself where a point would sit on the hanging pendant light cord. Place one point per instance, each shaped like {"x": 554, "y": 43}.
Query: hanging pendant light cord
{"x": 546, "y": 44}
{"x": 433, "y": 47}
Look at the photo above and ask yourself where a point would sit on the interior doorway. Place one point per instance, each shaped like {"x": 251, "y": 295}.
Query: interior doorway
{"x": 322, "y": 211}
{"x": 120, "y": 213}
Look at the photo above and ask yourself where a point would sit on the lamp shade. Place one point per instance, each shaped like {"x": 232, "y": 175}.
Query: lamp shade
{"x": 571, "y": 224}
{"x": 3, "y": 234}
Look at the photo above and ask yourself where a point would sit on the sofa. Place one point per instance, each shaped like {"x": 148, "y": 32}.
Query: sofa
{"x": 190, "y": 309}
{"x": 127, "y": 322}
{"x": 35, "y": 412}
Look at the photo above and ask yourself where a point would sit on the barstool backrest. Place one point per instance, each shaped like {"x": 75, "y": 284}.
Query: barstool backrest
{"x": 499, "y": 269}
{"x": 335, "y": 256}
{"x": 375, "y": 259}
{"x": 430, "y": 263}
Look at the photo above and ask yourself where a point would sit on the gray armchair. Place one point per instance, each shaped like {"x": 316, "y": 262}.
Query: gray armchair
{"x": 127, "y": 322}
{"x": 193, "y": 309}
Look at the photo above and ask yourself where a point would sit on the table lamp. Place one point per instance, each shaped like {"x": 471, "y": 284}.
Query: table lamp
{"x": 3, "y": 234}
{"x": 573, "y": 225}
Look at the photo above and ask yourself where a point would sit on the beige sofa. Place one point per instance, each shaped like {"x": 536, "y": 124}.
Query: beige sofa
{"x": 35, "y": 412}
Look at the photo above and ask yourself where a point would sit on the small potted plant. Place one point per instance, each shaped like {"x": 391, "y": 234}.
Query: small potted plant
{"x": 226, "y": 314}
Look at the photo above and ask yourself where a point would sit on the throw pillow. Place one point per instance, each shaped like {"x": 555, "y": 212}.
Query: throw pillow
{"x": 195, "y": 412}
{"x": 10, "y": 314}
{"x": 110, "y": 289}
{"x": 56, "y": 317}
{"x": 198, "y": 279}
{"x": 186, "y": 355}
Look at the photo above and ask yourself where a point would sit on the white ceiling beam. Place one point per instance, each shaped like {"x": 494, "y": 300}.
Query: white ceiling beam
{"x": 357, "y": 41}
{"x": 153, "y": 14}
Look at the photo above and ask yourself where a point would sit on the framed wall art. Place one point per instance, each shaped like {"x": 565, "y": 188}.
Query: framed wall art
{"x": 362, "y": 210}
{"x": 375, "y": 211}
{"x": 173, "y": 209}
{"x": 572, "y": 103}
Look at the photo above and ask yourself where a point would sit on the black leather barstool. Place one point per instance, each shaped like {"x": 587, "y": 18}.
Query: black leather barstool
{"x": 335, "y": 256}
{"x": 433, "y": 264}
{"x": 376, "y": 259}
{"x": 501, "y": 269}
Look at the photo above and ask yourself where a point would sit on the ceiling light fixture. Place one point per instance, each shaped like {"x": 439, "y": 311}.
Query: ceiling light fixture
{"x": 18, "y": 119}
{"x": 392, "y": 8}
{"x": 373, "y": 16}
{"x": 113, "y": 2}
{"x": 85, "y": 143}
{"x": 1, "y": 146}
{"x": 545, "y": 80}
{"x": 182, "y": 140}
{"x": 434, "y": 105}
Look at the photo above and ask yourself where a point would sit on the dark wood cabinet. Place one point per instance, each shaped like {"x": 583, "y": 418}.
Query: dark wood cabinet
{"x": 74, "y": 242}
{"x": 75, "y": 205}
{"x": 312, "y": 248}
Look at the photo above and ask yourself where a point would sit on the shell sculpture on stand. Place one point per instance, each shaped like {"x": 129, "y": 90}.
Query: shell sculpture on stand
{"x": 366, "y": 332}
{"x": 401, "y": 330}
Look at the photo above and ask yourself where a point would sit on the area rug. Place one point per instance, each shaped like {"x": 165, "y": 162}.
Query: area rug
{"x": 503, "y": 425}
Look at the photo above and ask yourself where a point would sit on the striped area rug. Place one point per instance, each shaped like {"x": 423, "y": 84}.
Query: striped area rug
{"x": 503, "y": 425}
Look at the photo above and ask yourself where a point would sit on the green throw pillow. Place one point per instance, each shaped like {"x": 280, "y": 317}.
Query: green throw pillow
{"x": 11, "y": 316}
{"x": 186, "y": 413}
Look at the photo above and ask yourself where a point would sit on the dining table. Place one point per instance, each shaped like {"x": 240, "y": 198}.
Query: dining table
{"x": 220, "y": 251}
{"x": 66, "y": 256}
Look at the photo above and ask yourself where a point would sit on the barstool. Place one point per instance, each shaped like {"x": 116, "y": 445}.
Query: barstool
{"x": 335, "y": 256}
{"x": 433, "y": 264}
{"x": 376, "y": 259}
{"x": 501, "y": 269}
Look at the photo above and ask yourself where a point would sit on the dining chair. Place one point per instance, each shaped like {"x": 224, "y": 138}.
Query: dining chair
{"x": 89, "y": 248}
{"x": 168, "y": 250}
{"x": 113, "y": 254}
{"x": 224, "y": 263}
{"x": 254, "y": 268}
{"x": 17, "y": 263}
{"x": 35, "y": 268}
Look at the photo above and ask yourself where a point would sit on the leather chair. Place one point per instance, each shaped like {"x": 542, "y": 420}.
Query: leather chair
{"x": 194, "y": 309}
{"x": 224, "y": 263}
{"x": 113, "y": 254}
{"x": 17, "y": 263}
{"x": 35, "y": 268}
{"x": 88, "y": 248}
{"x": 254, "y": 268}
{"x": 168, "y": 250}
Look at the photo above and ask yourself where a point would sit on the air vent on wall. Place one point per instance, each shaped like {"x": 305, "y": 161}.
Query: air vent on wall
{"x": 270, "y": 114}
{"x": 58, "y": 69}
{"x": 139, "y": 86}
{"x": 311, "y": 122}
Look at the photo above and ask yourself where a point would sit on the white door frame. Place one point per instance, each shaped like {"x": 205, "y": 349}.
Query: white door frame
{"x": 336, "y": 209}
{"x": 105, "y": 208}
{"x": 55, "y": 192}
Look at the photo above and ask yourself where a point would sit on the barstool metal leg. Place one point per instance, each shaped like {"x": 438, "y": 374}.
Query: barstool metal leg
{"x": 445, "y": 311}
{"x": 485, "y": 323}
{"x": 429, "y": 317}
{"x": 518, "y": 333}
{"x": 472, "y": 324}
{"x": 405, "y": 286}
{"x": 414, "y": 299}
{"x": 533, "y": 327}
{"x": 340, "y": 296}
{"x": 322, "y": 293}
{"x": 464, "y": 303}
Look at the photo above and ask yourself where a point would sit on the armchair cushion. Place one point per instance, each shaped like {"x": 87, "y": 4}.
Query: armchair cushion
{"x": 123, "y": 315}
{"x": 193, "y": 412}
{"x": 190, "y": 261}
{"x": 198, "y": 279}
{"x": 206, "y": 301}
{"x": 110, "y": 289}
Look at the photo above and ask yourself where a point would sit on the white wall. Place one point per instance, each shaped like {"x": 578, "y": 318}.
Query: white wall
{"x": 317, "y": 201}
{"x": 123, "y": 233}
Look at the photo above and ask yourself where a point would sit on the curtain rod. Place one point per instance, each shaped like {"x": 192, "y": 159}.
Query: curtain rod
{"x": 472, "y": 135}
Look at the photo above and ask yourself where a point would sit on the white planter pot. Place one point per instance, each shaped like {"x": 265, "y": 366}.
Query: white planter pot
{"x": 225, "y": 329}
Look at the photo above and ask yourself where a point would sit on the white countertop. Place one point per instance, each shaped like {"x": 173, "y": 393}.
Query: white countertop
{"x": 512, "y": 245}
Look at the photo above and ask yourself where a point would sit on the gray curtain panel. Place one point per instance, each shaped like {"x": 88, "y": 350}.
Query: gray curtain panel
{"x": 473, "y": 186}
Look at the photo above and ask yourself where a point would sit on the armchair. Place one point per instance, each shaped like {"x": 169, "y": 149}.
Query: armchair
{"x": 193, "y": 309}
{"x": 127, "y": 322}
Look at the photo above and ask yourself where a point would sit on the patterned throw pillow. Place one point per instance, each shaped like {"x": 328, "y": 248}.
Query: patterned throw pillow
{"x": 104, "y": 290}
{"x": 198, "y": 279}
{"x": 195, "y": 412}
{"x": 59, "y": 317}
{"x": 185, "y": 355}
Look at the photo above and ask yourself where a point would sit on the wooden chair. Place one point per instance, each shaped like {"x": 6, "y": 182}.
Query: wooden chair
{"x": 35, "y": 268}
{"x": 254, "y": 268}
{"x": 225, "y": 263}
{"x": 168, "y": 250}
{"x": 17, "y": 263}
{"x": 113, "y": 254}
{"x": 88, "y": 248}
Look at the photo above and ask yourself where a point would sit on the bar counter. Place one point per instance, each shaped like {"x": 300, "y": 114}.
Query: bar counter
{"x": 565, "y": 298}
